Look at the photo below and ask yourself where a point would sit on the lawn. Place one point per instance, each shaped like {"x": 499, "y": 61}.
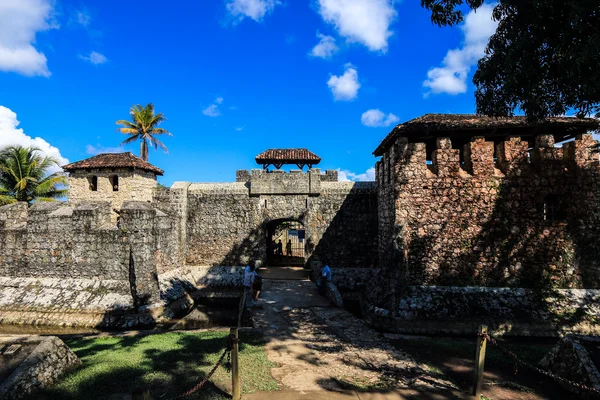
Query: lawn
{"x": 167, "y": 364}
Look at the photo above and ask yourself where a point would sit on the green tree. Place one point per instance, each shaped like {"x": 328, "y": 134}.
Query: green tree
{"x": 143, "y": 127}
{"x": 24, "y": 176}
{"x": 543, "y": 58}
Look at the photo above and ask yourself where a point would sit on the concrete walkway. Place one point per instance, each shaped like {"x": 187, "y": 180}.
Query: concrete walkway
{"x": 322, "y": 350}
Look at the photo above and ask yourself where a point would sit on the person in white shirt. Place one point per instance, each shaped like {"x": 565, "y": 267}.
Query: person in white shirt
{"x": 249, "y": 277}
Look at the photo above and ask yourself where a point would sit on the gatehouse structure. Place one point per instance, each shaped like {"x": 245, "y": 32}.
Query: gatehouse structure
{"x": 472, "y": 217}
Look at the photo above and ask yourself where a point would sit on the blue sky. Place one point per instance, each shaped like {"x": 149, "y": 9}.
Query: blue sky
{"x": 233, "y": 77}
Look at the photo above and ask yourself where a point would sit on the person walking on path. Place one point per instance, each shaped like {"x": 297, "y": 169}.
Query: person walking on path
{"x": 279, "y": 248}
{"x": 324, "y": 277}
{"x": 288, "y": 248}
{"x": 249, "y": 277}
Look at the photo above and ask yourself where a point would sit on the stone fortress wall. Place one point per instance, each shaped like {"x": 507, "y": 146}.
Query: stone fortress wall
{"x": 225, "y": 223}
{"x": 509, "y": 230}
{"x": 187, "y": 237}
{"x": 66, "y": 243}
{"x": 517, "y": 215}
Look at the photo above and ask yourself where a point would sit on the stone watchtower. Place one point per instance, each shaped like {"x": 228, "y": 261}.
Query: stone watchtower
{"x": 115, "y": 178}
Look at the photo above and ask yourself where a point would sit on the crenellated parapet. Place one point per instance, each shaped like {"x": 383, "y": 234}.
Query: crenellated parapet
{"x": 446, "y": 160}
{"x": 479, "y": 157}
{"x": 581, "y": 152}
{"x": 83, "y": 241}
{"x": 511, "y": 157}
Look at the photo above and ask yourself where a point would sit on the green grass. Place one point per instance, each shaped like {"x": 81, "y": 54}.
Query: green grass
{"x": 167, "y": 364}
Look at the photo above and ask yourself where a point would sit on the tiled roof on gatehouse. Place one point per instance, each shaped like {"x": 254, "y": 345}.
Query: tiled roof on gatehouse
{"x": 279, "y": 157}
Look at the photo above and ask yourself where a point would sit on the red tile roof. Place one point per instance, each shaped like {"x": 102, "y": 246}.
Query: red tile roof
{"x": 113, "y": 160}
{"x": 287, "y": 156}
{"x": 464, "y": 126}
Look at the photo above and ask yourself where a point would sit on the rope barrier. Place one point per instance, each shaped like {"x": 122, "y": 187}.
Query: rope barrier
{"x": 231, "y": 339}
{"x": 518, "y": 362}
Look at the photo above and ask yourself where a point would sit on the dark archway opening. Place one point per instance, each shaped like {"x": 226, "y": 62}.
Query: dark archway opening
{"x": 286, "y": 239}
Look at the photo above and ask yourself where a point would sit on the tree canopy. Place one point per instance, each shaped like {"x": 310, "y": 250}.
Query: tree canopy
{"x": 24, "y": 176}
{"x": 143, "y": 127}
{"x": 543, "y": 59}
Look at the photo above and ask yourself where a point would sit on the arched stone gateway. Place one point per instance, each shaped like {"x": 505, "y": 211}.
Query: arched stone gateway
{"x": 228, "y": 223}
{"x": 286, "y": 242}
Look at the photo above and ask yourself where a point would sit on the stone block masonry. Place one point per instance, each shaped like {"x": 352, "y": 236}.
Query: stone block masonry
{"x": 48, "y": 359}
{"x": 82, "y": 244}
{"x": 116, "y": 265}
{"x": 510, "y": 216}
{"x": 133, "y": 185}
{"x": 225, "y": 223}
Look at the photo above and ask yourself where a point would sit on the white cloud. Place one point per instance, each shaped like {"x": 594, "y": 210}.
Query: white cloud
{"x": 451, "y": 77}
{"x": 345, "y": 87}
{"x": 11, "y": 135}
{"x": 325, "y": 48}
{"x": 99, "y": 149}
{"x": 20, "y": 20}
{"x": 95, "y": 58}
{"x": 239, "y": 128}
{"x": 361, "y": 21}
{"x": 213, "y": 109}
{"x": 83, "y": 18}
{"x": 348, "y": 176}
{"x": 375, "y": 118}
{"x": 253, "y": 9}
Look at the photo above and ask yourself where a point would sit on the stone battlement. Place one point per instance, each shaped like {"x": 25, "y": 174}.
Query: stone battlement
{"x": 480, "y": 158}
{"x": 82, "y": 241}
{"x": 277, "y": 182}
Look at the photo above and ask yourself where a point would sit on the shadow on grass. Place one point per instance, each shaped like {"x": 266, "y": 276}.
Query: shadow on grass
{"x": 164, "y": 364}
{"x": 454, "y": 358}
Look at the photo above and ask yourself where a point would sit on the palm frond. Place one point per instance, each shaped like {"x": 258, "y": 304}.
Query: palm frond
{"x": 129, "y": 131}
{"x": 157, "y": 143}
{"x": 161, "y": 131}
{"x": 129, "y": 140}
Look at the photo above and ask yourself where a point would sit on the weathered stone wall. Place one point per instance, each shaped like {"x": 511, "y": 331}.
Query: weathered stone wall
{"x": 509, "y": 217}
{"x": 529, "y": 221}
{"x": 61, "y": 241}
{"x": 219, "y": 224}
{"x": 572, "y": 358}
{"x": 82, "y": 242}
{"x": 49, "y": 359}
{"x": 226, "y": 223}
{"x": 459, "y": 310}
{"x": 136, "y": 185}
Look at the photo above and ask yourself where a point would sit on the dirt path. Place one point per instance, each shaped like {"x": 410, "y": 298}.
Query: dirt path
{"x": 317, "y": 347}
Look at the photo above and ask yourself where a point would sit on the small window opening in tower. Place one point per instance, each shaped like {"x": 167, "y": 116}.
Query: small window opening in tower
{"x": 93, "y": 183}
{"x": 114, "y": 182}
{"x": 552, "y": 209}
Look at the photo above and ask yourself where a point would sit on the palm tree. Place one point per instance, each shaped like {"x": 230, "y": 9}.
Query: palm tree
{"x": 24, "y": 176}
{"x": 143, "y": 127}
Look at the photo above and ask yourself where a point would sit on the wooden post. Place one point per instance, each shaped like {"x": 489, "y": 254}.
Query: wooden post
{"x": 479, "y": 361}
{"x": 235, "y": 368}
